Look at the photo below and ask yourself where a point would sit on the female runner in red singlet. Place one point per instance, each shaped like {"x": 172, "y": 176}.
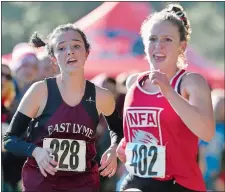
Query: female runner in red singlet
{"x": 166, "y": 111}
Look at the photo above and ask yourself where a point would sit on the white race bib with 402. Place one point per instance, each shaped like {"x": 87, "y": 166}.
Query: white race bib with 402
{"x": 70, "y": 154}
{"x": 145, "y": 160}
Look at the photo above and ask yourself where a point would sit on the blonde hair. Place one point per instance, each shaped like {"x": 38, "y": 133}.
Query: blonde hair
{"x": 173, "y": 13}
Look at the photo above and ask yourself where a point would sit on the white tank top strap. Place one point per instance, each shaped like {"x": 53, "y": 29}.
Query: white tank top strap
{"x": 178, "y": 82}
{"x": 176, "y": 79}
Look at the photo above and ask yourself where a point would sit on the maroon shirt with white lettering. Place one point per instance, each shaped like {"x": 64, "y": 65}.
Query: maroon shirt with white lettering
{"x": 61, "y": 121}
{"x": 149, "y": 118}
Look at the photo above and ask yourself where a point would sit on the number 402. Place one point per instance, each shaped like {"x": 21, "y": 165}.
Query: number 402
{"x": 141, "y": 165}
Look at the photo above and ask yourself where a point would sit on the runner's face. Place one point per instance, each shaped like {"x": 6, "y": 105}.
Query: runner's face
{"x": 164, "y": 46}
{"x": 69, "y": 51}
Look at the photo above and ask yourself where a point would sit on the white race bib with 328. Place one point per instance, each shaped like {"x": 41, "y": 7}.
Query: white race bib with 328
{"x": 145, "y": 160}
{"x": 70, "y": 154}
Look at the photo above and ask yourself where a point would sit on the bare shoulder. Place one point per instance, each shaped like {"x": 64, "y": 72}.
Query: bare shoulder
{"x": 105, "y": 101}
{"x": 37, "y": 90}
{"x": 33, "y": 98}
{"x": 39, "y": 86}
{"x": 194, "y": 82}
{"x": 103, "y": 93}
{"x": 131, "y": 80}
{"x": 194, "y": 79}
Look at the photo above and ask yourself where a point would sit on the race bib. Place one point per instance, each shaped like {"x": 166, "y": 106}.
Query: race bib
{"x": 146, "y": 160}
{"x": 70, "y": 154}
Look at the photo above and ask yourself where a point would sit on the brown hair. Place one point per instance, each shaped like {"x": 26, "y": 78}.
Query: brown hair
{"x": 37, "y": 42}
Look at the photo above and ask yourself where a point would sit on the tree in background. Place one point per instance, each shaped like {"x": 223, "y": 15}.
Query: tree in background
{"x": 21, "y": 19}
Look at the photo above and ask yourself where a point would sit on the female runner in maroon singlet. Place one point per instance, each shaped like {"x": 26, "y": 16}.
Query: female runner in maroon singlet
{"x": 63, "y": 113}
{"x": 166, "y": 111}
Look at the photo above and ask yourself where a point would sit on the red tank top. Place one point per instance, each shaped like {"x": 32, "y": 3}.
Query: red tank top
{"x": 149, "y": 117}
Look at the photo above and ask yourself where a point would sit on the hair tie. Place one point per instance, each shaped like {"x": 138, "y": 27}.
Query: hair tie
{"x": 180, "y": 14}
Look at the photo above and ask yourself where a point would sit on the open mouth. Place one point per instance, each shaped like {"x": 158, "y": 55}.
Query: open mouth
{"x": 159, "y": 57}
{"x": 72, "y": 61}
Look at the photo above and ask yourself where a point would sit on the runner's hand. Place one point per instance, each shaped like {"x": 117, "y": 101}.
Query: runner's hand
{"x": 120, "y": 151}
{"x": 159, "y": 78}
{"x": 109, "y": 162}
{"x": 44, "y": 161}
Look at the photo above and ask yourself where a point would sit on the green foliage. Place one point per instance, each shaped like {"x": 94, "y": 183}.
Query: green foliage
{"x": 21, "y": 19}
{"x": 208, "y": 30}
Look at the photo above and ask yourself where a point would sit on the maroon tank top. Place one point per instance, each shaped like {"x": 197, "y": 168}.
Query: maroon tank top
{"x": 63, "y": 122}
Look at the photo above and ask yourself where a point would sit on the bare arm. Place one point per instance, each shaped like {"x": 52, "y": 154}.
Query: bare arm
{"x": 32, "y": 99}
{"x": 196, "y": 112}
{"x": 106, "y": 105}
{"x": 27, "y": 109}
{"x": 105, "y": 101}
{"x": 131, "y": 80}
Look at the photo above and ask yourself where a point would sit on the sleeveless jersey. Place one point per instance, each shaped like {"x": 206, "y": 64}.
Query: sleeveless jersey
{"x": 149, "y": 118}
{"x": 61, "y": 121}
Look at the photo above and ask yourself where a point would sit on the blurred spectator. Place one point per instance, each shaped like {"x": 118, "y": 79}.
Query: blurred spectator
{"x": 12, "y": 167}
{"x": 25, "y": 70}
{"x": 103, "y": 138}
{"x": 110, "y": 84}
{"x": 121, "y": 82}
{"x": 210, "y": 153}
{"x": 24, "y": 64}
{"x": 220, "y": 180}
{"x": 122, "y": 90}
{"x": 8, "y": 93}
{"x": 46, "y": 68}
{"x": 103, "y": 80}
{"x": 107, "y": 82}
